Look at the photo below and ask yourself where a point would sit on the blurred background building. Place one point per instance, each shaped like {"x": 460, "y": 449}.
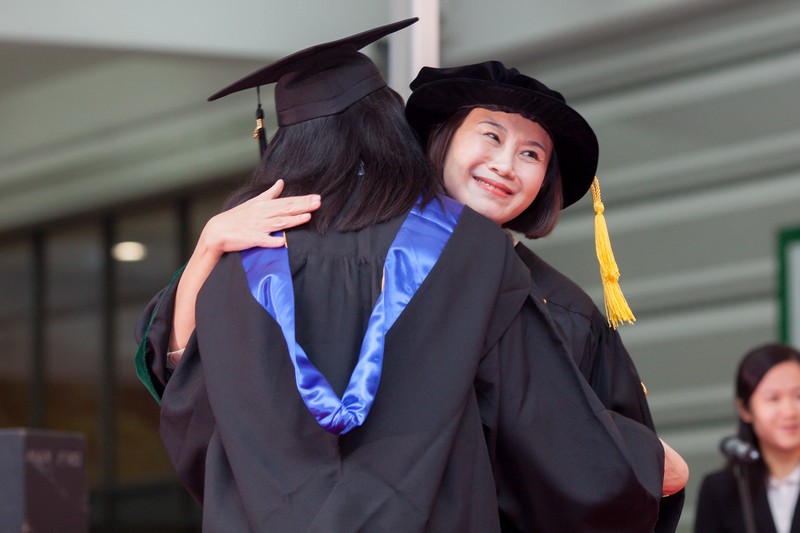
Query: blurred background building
{"x": 106, "y": 138}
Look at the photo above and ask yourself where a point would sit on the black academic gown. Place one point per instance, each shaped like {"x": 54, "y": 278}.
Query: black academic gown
{"x": 600, "y": 355}
{"x": 719, "y": 507}
{"x": 471, "y": 430}
{"x": 596, "y": 348}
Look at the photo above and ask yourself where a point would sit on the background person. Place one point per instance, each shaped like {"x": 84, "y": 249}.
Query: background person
{"x": 768, "y": 403}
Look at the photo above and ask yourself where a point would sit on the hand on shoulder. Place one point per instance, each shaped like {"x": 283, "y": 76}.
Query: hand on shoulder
{"x": 251, "y": 223}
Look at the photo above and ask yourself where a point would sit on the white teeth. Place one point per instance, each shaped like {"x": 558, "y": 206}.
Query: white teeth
{"x": 487, "y": 184}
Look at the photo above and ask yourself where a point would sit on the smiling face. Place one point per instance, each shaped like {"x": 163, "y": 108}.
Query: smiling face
{"x": 496, "y": 163}
{"x": 774, "y": 409}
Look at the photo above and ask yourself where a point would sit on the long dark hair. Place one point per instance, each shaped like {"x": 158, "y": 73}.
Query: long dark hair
{"x": 539, "y": 218}
{"x": 752, "y": 369}
{"x": 365, "y": 163}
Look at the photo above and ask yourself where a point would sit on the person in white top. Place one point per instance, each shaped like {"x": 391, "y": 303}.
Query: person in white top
{"x": 768, "y": 403}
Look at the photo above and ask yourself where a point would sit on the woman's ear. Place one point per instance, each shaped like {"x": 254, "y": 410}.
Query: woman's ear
{"x": 744, "y": 413}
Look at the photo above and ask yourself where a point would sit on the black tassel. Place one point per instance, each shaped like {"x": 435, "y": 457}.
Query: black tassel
{"x": 260, "y": 134}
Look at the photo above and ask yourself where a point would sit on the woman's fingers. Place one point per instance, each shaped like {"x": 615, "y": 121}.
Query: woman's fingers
{"x": 252, "y": 222}
{"x": 270, "y": 241}
{"x": 283, "y": 222}
{"x": 292, "y": 205}
{"x": 274, "y": 191}
{"x": 272, "y": 204}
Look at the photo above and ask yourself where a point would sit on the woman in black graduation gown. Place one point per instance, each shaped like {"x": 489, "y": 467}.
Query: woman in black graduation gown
{"x": 466, "y": 117}
{"x": 768, "y": 402}
{"x": 461, "y": 399}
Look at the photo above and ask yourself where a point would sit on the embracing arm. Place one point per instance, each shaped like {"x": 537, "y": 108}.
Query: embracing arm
{"x": 247, "y": 225}
{"x": 167, "y": 324}
{"x": 563, "y": 462}
{"x": 616, "y": 381}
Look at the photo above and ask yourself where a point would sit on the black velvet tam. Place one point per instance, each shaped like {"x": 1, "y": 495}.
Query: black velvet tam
{"x": 437, "y": 93}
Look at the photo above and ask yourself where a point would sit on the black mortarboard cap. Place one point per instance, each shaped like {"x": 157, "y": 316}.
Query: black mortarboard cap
{"x": 322, "y": 80}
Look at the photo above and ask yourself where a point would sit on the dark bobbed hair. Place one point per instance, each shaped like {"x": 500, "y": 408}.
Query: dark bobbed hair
{"x": 753, "y": 367}
{"x": 539, "y": 218}
{"x": 365, "y": 162}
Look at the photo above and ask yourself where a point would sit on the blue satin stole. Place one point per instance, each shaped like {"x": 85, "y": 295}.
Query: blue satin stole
{"x": 413, "y": 253}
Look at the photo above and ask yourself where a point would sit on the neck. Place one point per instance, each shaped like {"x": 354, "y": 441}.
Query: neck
{"x": 780, "y": 463}
{"x": 510, "y": 236}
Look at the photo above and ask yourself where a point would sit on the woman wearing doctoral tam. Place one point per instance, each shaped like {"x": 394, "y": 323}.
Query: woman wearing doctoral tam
{"x": 511, "y": 148}
{"x": 347, "y": 381}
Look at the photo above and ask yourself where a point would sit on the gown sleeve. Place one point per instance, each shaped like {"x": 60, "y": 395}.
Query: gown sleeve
{"x": 562, "y": 461}
{"x": 613, "y": 376}
{"x": 152, "y": 334}
{"x": 186, "y": 420}
{"x": 601, "y": 357}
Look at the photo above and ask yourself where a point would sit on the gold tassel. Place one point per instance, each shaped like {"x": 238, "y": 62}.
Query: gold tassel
{"x": 617, "y": 309}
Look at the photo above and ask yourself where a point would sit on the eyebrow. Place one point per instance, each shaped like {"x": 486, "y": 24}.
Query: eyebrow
{"x": 779, "y": 390}
{"x": 505, "y": 130}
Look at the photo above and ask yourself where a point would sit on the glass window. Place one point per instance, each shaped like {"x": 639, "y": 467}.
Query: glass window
{"x": 16, "y": 330}
{"x": 73, "y": 336}
{"x": 140, "y": 454}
